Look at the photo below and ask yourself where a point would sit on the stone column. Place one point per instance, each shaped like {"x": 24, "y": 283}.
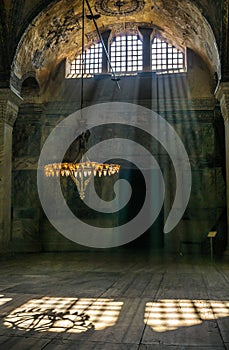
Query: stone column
{"x": 105, "y": 36}
{"x": 222, "y": 94}
{"x": 9, "y": 103}
{"x": 146, "y": 33}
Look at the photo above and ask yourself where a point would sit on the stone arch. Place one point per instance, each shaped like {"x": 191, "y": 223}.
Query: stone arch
{"x": 55, "y": 34}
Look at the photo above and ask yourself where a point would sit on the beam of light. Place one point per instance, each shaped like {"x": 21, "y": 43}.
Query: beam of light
{"x": 72, "y": 315}
{"x": 170, "y": 314}
{"x": 4, "y": 300}
{"x": 176, "y": 101}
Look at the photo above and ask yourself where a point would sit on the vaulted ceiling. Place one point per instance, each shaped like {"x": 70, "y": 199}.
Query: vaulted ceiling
{"x": 35, "y": 36}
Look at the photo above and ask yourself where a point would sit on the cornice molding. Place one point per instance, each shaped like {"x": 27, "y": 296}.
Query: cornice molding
{"x": 11, "y": 95}
{"x": 9, "y": 104}
{"x": 222, "y": 94}
{"x": 8, "y": 112}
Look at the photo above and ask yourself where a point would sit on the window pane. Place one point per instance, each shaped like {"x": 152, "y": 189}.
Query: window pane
{"x": 165, "y": 56}
{"x": 128, "y": 53}
{"x": 90, "y": 62}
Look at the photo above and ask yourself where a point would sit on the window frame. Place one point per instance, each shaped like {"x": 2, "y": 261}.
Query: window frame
{"x": 167, "y": 55}
{"x": 131, "y": 43}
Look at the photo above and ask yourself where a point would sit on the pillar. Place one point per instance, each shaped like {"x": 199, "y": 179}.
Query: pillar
{"x": 222, "y": 94}
{"x": 105, "y": 37}
{"x": 146, "y": 34}
{"x": 9, "y": 103}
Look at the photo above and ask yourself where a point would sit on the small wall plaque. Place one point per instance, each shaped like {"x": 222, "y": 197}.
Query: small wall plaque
{"x": 212, "y": 233}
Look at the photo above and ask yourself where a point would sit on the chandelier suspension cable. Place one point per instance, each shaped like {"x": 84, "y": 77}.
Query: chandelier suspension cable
{"x": 81, "y": 172}
{"x": 83, "y": 58}
{"x": 83, "y": 64}
{"x": 81, "y": 121}
{"x": 91, "y": 16}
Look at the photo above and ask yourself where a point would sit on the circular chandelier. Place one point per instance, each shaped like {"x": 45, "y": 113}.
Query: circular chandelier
{"x": 82, "y": 172}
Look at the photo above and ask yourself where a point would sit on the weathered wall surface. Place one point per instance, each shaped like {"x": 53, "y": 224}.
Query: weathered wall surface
{"x": 185, "y": 100}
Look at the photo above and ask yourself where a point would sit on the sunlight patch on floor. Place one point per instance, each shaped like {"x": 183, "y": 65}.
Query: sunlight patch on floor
{"x": 170, "y": 314}
{"x": 4, "y": 300}
{"x": 69, "y": 315}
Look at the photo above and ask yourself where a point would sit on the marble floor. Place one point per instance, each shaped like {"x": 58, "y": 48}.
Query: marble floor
{"x": 113, "y": 301}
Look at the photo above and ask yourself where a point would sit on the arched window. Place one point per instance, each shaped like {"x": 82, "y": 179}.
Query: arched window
{"x": 166, "y": 58}
{"x": 88, "y": 64}
{"x": 126, "y": 54}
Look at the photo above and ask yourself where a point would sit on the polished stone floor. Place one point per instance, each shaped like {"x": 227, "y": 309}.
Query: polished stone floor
{"x": 113, "y": 301}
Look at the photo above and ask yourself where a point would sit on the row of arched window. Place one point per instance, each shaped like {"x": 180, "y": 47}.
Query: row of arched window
{"x": 126, "y": 56}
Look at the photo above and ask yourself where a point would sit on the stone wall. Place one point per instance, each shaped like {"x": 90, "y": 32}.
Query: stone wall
{"x": 184, "y": 100}
{"x": 26, "y": 204}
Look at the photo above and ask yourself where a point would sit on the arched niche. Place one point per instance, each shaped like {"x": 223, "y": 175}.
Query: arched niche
{"x": 30, "y": 89}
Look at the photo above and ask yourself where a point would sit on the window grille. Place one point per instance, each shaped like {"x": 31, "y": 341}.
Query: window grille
{"x": 89, "y": 63}
{"x": 126, "y": 54}
{"x": 166, "y": 57}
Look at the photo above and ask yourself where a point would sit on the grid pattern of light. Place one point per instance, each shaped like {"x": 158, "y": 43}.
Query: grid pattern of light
{"x": 126, "y": 54}
{"x": 78, "y": 315}
{"x": 89, "y": 63}
{"x": 166, "y": 57}
{"x": 61, "y": 314}
{"x": 170, "y": 314}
